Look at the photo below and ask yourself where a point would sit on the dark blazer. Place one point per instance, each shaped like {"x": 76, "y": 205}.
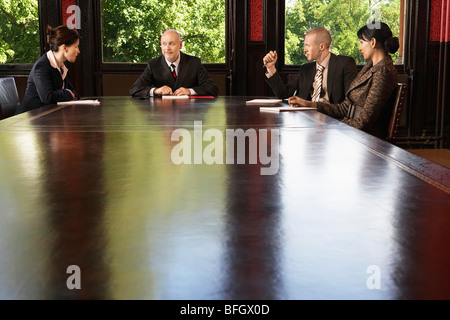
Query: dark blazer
{"x": 367, "y": 99}
{"x": 44, "y": 86}
{"x": 341, "y": 72}
{"x": 191, "y": 74}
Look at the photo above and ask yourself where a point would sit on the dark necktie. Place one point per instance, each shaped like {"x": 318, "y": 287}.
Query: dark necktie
{"x": 174, "y": 73}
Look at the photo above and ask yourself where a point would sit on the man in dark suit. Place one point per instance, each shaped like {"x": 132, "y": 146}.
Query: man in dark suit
{"x": 173, "y": 73}
{"x": 335, "y": 78}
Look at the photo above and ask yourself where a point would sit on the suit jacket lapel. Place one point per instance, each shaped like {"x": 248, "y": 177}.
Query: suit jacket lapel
{"x": 166, "y": 72}
{"x": 306, "y": 80}
{"x": 331, "y": 71}
{"x": 364, "y": 75}
{"x": 182, "y": 69}
{"x": 58, "y": 77}
{"x": 56, "y": 71}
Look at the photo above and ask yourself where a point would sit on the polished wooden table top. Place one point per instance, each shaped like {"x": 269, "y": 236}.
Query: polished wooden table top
{"x": 337, "y": 214}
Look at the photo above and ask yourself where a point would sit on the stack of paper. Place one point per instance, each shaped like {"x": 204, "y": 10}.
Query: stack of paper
{"x": 284, "y": 108}
{"x": 263, "y": 101}
{"x": 63, "y": 103}
{"x": 176, "y": 97}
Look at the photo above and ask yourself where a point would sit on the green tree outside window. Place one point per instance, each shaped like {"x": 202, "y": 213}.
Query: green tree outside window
{"x": 19, "y": 31}
{"x": 131, "y": 29}
{"x": 342, "y": 18}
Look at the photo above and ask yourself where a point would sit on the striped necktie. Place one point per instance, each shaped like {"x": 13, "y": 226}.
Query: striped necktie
{"x": 174, "y": 73}
{"x": 317, "y": 85}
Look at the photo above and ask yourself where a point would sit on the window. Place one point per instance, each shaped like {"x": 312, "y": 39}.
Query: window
{"x": 19, "y": 32}
{"x": 131, "y": 30}
{"x": 343, "y": 19}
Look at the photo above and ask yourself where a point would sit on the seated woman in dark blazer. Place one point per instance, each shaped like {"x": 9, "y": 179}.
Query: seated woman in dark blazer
{"x": 372, "y": 88}
{"x": 48, "y": 82}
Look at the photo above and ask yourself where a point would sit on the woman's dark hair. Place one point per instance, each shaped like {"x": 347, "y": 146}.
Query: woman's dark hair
{"x": 382, "y": 33}
{"x": 58, "y": 36}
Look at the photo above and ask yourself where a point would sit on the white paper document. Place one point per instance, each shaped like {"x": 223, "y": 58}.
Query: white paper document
{"x": 284, "y": 108}
{"x": 64, "y": 103}
{"x": 264, "y": 101}
{"x": 176, "y": 97}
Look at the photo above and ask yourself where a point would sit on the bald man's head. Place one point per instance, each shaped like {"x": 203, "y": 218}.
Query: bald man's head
{"x": 171, "y": 45}
{"x": 322, "y": 35}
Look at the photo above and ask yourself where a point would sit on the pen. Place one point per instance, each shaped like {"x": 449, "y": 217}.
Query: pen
{"x": 295, "y": 92}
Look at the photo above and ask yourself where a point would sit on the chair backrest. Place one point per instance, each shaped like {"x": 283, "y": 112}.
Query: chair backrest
{"x": 399, "y": 102}
{"x": 9, "y": 98}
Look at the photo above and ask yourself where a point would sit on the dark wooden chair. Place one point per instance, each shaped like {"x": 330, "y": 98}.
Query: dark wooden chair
{"x": 397, "y": 109}
{"x": 9, "y": 98}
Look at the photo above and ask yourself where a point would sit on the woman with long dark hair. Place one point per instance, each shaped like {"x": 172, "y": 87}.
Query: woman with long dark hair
{"x": 48, "y": 82}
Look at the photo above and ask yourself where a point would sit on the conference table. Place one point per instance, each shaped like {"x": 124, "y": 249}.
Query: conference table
{"x": 213, "y": 199}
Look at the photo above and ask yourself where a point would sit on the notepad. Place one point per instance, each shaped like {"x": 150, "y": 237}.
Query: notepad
{"x": 92, "y": 102}
{"x": 263, "y": 101}
{"x": 176, "y": 97}
{"x": 284, "y": 108}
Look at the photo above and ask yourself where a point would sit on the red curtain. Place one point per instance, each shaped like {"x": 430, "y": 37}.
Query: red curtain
{"x": 440, "y": 20}
{"x": 256, "y": 20}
